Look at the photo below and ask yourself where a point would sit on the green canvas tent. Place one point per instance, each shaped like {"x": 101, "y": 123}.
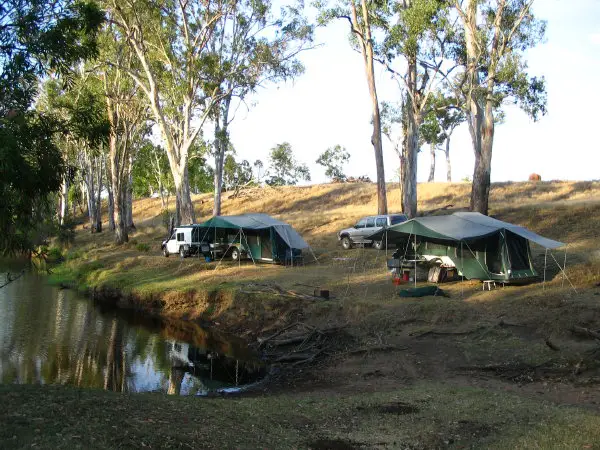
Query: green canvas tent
{"x": 480, "y": 247}
{"x": 263, "y": 237}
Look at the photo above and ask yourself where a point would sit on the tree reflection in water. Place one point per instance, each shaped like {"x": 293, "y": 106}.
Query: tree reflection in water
{"x": 53, "y": 336}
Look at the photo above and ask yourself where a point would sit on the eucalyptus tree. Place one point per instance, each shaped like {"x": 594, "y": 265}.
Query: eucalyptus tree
{"x": 444, "y": 114}
{"x": 37, "y": 38}
{"x": 254, "y": 46}
{"x": 85, "y": 127}
{"x": 151, "y": 173}
{"x": 415, "y": 51}
{"x": 496, "y": 35}
{"x": 333, "y": 159}
{"x": 283, "y": 167}
{"x": 175, "y": 70}
{"x": 365, "y": 17}
{"x": 128, "y": 115}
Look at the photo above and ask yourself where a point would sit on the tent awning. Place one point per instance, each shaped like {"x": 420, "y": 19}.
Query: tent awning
{"x": 462, "y": 226}
{"x": 258, "y": 222}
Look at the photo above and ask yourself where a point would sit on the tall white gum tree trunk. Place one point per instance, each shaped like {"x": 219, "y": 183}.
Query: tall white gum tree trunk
{"x": 174, "y": 72}
{"x": 486, "y": 46}
{"x": 362, "y": 31}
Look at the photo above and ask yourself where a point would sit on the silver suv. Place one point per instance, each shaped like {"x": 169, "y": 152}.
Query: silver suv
{"x": 367, "y": 226}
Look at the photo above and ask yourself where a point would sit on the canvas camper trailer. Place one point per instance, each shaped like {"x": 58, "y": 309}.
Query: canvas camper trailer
{"x": 480, "y": 247}
{"x": 259, "y": 237}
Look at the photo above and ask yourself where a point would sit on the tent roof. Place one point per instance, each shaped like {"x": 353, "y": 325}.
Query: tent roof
{"x": 258, "y": 221}
{"x": 465, "y": 226}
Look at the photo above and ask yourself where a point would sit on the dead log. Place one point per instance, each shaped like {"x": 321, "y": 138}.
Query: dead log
{"x": 294, "y": 356}
{"x": 292, "y": 340}
{"x": 262, "y": 341}
{"x": 585, "y": 332}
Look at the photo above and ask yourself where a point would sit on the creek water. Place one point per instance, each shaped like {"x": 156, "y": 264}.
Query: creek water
{"x": 50, "y": 335}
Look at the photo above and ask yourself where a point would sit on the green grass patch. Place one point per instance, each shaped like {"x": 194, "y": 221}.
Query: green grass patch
{"x": 142, "y": 247}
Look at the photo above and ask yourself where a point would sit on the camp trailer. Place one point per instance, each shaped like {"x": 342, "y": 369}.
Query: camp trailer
{"x": 480, "y": 247}
{"x": 256, "y": 236}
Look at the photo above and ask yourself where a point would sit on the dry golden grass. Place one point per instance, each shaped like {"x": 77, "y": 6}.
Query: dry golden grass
{"x": 566, "y": 211}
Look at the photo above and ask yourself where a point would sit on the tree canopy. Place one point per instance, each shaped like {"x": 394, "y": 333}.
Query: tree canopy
{"x": 283, "y": 167}
{"x": 37, "y": 38}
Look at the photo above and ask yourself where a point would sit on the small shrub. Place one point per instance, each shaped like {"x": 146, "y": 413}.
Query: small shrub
{"x": 133, "y": 242}
{"x": 54, "y": 254}
{"x": 165, "y": 218}
{"x": 142, "y": 247}
{"x": 66, "y": 232}
{"x": 76, "y": 254}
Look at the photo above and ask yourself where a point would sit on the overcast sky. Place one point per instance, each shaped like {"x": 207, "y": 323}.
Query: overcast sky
{"x": 330, "y": 105}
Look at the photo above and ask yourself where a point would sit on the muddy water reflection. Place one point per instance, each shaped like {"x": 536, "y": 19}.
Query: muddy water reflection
{"x": 54, "y": 336}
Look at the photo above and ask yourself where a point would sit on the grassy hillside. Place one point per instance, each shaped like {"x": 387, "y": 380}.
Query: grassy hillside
{"x": 494, "y": 369}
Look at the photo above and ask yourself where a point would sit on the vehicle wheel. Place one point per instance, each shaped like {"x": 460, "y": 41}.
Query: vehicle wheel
{"x": 235, "y": 254}
{"x": 346, "y": 243}
{"x": 378, "y": 245}
{"x": 166, "y": 252}
{"x": 182, "y": 252}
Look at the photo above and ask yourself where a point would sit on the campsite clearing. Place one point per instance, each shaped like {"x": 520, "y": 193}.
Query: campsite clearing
{"x": 510, "y": 351}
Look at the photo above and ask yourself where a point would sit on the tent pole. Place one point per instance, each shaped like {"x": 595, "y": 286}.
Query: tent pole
{"x": 249, "y": 249}
{"x": 564, "y": 268}
{"x": 386, "y": 243}
{"x": 225, "y": 252}
{"x": 545, "y": 262}
{"x": 462, "y": 271}
{"x": 564, "y": 274}
{"x": 314, "y": 256}
{"x": 239, "y": 266}
{"x": 415, "y": 256}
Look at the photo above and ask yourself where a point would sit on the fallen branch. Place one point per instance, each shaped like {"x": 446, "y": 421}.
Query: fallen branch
{"x": 446, "y": 333}
{"x": 262, "y": 341}
{"x": 376, "y": 348}
{"x": 586, "y": 332}
{"x": 297, "y": 356}
{"x": 10, "y": 280}
{"x": 290, "y": 341}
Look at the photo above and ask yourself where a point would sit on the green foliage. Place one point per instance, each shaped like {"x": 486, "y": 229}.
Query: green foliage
{"x": 283, "y": 168}
{"x": 74, "y": 254}
{"x": 333, "y": 160}
{"x": 142, "y": 247}
{"x": 151, "y": 171}
{"x": 43, "y": 37}
{"x": 519, "y": 30}
{"x": 66, "y": 232}
{"x": 165, "y": 218}
{"x": 201, "y": 175}
{"x": 236, "y": 174}
{"x": 54, "y": 255}
{"x": 443, "y": 114}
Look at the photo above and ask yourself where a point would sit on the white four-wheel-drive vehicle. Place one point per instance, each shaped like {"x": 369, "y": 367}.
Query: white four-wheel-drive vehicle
{"x": 191, "y": 240}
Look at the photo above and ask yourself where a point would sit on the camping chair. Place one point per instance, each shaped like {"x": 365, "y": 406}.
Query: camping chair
{"x": 293, "y": 257}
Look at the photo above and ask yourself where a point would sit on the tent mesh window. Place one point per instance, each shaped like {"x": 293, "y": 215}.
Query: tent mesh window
{"x": 517, "y": 252}
{"x": 493, "y": 255}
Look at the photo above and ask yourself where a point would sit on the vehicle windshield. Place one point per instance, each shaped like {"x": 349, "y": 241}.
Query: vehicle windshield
{"x": 361, "y": 223}
{"x": 398, "y": 219}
